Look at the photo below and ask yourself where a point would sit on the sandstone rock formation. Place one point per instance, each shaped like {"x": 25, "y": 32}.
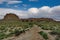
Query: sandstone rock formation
{"x": 11, "y": 17}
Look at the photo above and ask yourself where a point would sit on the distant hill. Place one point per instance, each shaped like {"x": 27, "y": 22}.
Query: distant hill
{"x": 13, "y": 17}
{"x": 37, "y": 19}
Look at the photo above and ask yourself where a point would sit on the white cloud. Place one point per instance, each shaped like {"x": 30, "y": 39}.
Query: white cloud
{"x": 10, "y": 1}
{"x": 33, "y": 10}
{"x": 55, "y": 9}
{"x": 45, "y": 11}
{"x": 14, "y": 2}
{"x": 45, "y": 8}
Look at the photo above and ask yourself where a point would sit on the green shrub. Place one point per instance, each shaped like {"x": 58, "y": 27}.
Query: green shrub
{"x": 2, "y": 36}
{"x": 17, "y": 32}
{"x": 2, "y": 27}
{"x": 44, "y": 35}
{"x": 55, "y": 32}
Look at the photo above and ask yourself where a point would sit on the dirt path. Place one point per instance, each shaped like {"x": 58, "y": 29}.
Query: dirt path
{"x": 31, "y": 34}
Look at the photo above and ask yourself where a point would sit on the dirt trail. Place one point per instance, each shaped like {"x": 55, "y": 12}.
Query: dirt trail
{"x": 32, "y": 34}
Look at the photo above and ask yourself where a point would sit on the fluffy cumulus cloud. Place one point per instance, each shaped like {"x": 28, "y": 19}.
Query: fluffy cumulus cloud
{"x": 45, "y": 11}
{"x": 33, "y": 10}
{"x": 10, "y": 1}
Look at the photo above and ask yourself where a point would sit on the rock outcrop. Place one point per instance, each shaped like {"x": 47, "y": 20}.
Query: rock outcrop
{"x": 11, "y": 17}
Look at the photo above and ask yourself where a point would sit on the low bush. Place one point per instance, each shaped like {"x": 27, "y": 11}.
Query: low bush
{"x": 55, "y": 32}
{"x": 44, "y": 35}
{"x": 2, "y": 36}
{"x": 17, "y": 32}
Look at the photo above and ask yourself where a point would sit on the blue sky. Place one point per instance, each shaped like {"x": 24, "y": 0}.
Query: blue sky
{"x": 31, "y": 8}
{"x": 25, "y": 4}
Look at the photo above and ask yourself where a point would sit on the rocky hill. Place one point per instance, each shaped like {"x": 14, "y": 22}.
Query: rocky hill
{"x": 11, "y": 17}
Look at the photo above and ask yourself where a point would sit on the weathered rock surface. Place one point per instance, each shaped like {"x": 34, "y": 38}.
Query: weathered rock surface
{"x": 11, "y": 17}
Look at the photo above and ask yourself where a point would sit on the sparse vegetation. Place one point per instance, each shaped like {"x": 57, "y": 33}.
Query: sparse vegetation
{"x": 16, "y": 27}
{"x": 17, "y": 32}
{"x": 55, "y": 32}
{"x": 8, "y": 28}
{"x": 44, "y": 35}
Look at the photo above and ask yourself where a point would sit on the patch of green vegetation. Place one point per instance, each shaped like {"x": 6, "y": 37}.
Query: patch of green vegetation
{"x": 17, "y": 32}
{"x": 44, "y": 35}
{"x": 10, "y": 28}
{"x": 55, "y": 32}
{"x": 48, "y": 25}
{"x": 2, "y": 35}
